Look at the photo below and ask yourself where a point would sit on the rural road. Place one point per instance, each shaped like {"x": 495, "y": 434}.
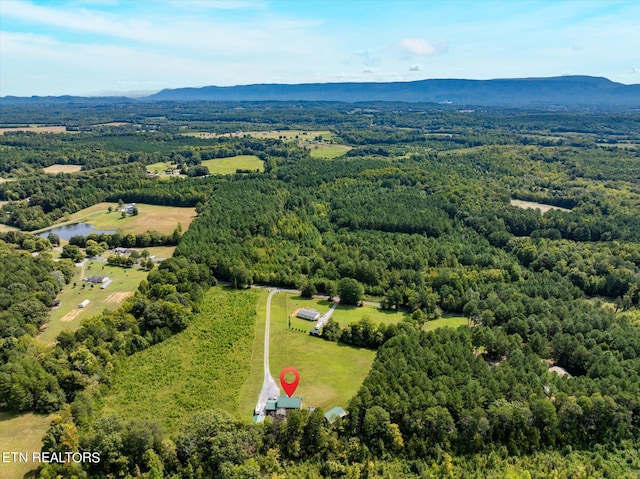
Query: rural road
{"x": 269, "y": 387}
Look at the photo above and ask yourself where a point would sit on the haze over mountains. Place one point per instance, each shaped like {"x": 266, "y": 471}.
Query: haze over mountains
{"x": 564, "y": 91}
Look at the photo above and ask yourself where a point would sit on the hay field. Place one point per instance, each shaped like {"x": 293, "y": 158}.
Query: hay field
{"x": 21, "y": 433}
{"x": 35, "y": 128}
{"x": 539, "y": 206}
{"x": 229, "y": 165}
{"x": 55, "y": 169}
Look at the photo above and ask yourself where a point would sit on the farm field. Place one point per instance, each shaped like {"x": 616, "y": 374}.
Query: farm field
{"x": 327, "y": 150}
{"x": 21, "y": 433}
{"x": 229, "y": 165}
{"x": 163, "y": 219}
{"x": 160, "y": 167}
{"x": 35, "y": 128}
{"x": 200, "y": 368}
{"x": 55, "y": 169}
{"x": 69, "y": 316}
{"x": 533, "y": 205}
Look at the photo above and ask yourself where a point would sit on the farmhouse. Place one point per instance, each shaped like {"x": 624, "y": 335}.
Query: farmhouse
{"x": 334, "y": 413}
{"x": 120, "y": 250}
{"x": 308, "y": 314}
{"x": 129, "y": 209}
{"x": 96, "y": 279}
{"x": 281, "y": 407}
{"x": 83, "y": 304}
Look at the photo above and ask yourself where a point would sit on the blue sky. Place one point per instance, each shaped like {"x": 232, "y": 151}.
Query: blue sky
{"x": 84, "y": 47}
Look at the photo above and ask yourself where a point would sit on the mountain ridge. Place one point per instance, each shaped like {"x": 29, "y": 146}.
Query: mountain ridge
{"x": 561, "y": 91}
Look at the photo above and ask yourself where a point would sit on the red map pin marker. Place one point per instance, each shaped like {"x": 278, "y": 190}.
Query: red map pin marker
{"x": 289, "y": 388}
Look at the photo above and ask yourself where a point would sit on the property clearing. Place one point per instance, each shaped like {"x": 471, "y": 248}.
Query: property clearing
{"x": 21, "y": 433}
{"x": 229, "y": 165}
{"x": 69, "y": 316}
{"x": 536, "y": 206}
{"x": 163, "y": 219}
{"x": 55, "y": 169}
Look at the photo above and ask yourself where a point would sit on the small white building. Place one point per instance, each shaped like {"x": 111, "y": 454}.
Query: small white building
{"x": 308, "y": 314}
{"x": 83, "y": 304}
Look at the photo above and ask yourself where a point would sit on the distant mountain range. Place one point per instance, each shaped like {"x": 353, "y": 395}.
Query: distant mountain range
{"x": 564, "y": 91}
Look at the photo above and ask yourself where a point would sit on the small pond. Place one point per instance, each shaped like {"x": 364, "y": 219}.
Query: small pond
{"x": 76, "y": 229}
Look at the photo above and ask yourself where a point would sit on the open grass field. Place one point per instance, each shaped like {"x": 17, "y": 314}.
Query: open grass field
{"x": 21, "y": 433}
{"x": 55, "y": 169}
{"x": 35, "y": 128}
{"x": 330, "y": 373}
{"x": 161, "y": 251}
{"x": 533, "y": 205}
{"x": 228, "y": 166}
{"x": 447, "y": 321}
{"x": 200, "y": 368}
{"x": 160, "y": 167}
{"x": 327, "y": 150}
{"x": 343, "y": 314}
{"x": 5, "y": 228}
{"x": 151, "y": 217}
{"x": 69, "y": 316}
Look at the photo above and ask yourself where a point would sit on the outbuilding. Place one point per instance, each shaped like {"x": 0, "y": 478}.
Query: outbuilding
{"x": 308, "y": 314}
{"x": 83, "y": 304}
{"x": 334, "y": 413}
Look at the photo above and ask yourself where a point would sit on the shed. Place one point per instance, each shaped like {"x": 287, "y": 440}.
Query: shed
{"x": 334, "y": 413}
{"x": 83, "y": 304}
{"x": 308, "y": 314}
{"x": 106, "y": 283}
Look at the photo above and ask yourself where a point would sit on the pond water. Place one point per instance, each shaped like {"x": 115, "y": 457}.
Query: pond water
{"x": 76, "y": 229}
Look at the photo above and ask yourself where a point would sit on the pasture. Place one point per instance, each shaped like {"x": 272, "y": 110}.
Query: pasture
{"x": 35, "y": 128}
{"x": 163, "y": 219}
{"x": 199, "y": 368}
{"x": 69, "y": 316}
{"x": 327, "y": 150}
{"x": 229, "y": 165}
{"x": 21, "y": 433}
{"x": 55, "y": 169}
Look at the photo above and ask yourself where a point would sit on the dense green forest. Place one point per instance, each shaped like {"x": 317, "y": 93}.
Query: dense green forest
{"x": 418, "y": 215}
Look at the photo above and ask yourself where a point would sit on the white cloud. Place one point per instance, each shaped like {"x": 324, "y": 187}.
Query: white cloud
{"x": 418, "y": 46}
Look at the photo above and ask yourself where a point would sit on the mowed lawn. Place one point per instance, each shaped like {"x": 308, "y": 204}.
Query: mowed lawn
{"x": 69, "y": 316}
{"x": 150, "y": 217}
{"x": 330, "y": 373}
{"x": 21, "y": 433}
{"x": 229, "y": 165}
{"x": 202, "y": 367}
